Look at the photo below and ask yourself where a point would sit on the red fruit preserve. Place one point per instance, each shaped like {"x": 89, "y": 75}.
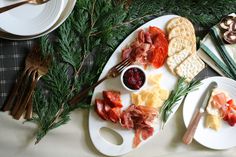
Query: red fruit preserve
{"x": 134, "y": 78}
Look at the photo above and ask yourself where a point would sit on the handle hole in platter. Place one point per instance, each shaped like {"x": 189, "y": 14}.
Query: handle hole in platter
{"x": 111, "y": 136}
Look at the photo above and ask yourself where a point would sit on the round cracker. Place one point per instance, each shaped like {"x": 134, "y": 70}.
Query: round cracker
{"x": 178, "y": 21}
{"x": 179, "y": 43}
{"x": 181, "y": 30}
{"x": 176, "y": 59}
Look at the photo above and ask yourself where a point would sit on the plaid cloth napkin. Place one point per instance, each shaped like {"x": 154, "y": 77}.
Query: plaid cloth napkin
{"x": 12, "y": 55}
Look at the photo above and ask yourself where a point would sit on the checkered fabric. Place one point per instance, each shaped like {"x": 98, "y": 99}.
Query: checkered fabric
{"x": 12, "y": 55}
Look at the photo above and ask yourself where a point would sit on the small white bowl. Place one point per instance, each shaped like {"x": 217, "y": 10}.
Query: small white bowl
{"x": 122, "y": 77}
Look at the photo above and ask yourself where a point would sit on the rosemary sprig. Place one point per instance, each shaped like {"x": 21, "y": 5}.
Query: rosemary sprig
{"x": 181, "y": 90}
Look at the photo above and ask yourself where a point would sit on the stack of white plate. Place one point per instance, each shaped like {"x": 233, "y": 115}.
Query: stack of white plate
{"x": 32, "y": 21}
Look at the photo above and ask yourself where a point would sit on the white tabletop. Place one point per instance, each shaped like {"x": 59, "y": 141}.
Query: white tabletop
{"x": 72, "y": 140}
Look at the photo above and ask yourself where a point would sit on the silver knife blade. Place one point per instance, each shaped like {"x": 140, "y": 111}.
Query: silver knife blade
{"x": 209, "y": 91}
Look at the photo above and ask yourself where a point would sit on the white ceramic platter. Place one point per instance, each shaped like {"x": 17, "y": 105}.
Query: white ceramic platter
{"x": 68, "y": 7}
{"x": 28, "y": 20}
{"x": 225, "y": 137}
{"x": 96, "y": 123}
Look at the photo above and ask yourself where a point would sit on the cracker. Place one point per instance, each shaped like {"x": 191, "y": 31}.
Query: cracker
{"x": 190, "y": 67}
{"x": 176, "y": 59}
{"x": 178, "y": 21}
{"x": 182, "y": 30}
{"x": 179, "y": 43}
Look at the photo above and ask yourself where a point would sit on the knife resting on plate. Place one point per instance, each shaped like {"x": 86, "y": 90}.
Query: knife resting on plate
{"x": 189, "y": 134}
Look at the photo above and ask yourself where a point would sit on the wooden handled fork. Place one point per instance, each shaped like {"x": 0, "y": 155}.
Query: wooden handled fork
{"x": 41, "y": 71}
{"x": 112, "y": 73}
{"x": 30, "y": 65}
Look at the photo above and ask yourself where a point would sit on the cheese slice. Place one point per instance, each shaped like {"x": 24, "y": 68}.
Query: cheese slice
{"x": 155, "y": 79}
{"x": 213, "y": 122}
{"x": 136, "y": 99}
{"x": 153, "y": 96}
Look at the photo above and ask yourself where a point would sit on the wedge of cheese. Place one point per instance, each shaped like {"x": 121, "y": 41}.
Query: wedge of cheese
{"x": 154, "y": 96}
{"x": 213, "y": 122}
{"x": 154, "y": 79}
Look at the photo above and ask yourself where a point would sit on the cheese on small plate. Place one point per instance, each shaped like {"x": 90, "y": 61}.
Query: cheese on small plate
{"x": 213, "y": 122}
{"x": 213, "y": 119}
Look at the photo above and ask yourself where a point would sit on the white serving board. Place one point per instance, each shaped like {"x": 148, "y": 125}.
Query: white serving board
{"x": 96, "y": 123}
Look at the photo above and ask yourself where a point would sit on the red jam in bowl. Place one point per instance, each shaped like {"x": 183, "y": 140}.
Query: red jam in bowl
{"x": 134, "y": 78}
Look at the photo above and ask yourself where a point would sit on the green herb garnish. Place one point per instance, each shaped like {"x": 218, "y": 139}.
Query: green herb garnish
{"x": 181, "y": 90}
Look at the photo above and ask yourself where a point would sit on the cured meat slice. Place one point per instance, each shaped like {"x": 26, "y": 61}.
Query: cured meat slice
{"x": 139, "y": 55}
{"x": 161, "y": 51}
{"x": 109, "y": 108}
{"x": 135, "y": 44}
{"x": 114, "y": 114}
{"x": 147, "y": 132}
{"x": 112, "y": 98}
{"x": 147, "y": 110}
{"x": 106, "y": 107}
{"x": 99, "y": 108}
{"x": 219, "y": 100}
{"x": 140, "y": 118}
{"x": 149, "y": 48}
{"x": 141, "y": 36}
{"x": 155, "y": 31}
{"x": 148, "y": 38}
{"x": 126, "y": 53}
{"x": 137, "y": 139}
{"x": 126, "y": 120}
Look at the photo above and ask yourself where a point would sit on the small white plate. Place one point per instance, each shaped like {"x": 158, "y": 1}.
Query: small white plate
{"x": 28, "y": 20}
{"x": 96, "y": 124}
{"x": 68, "y": 7}
{"x": 225, "y": 137}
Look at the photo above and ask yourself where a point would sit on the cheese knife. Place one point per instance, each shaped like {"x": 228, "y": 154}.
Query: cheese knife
{"x": 189, "y": 134}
